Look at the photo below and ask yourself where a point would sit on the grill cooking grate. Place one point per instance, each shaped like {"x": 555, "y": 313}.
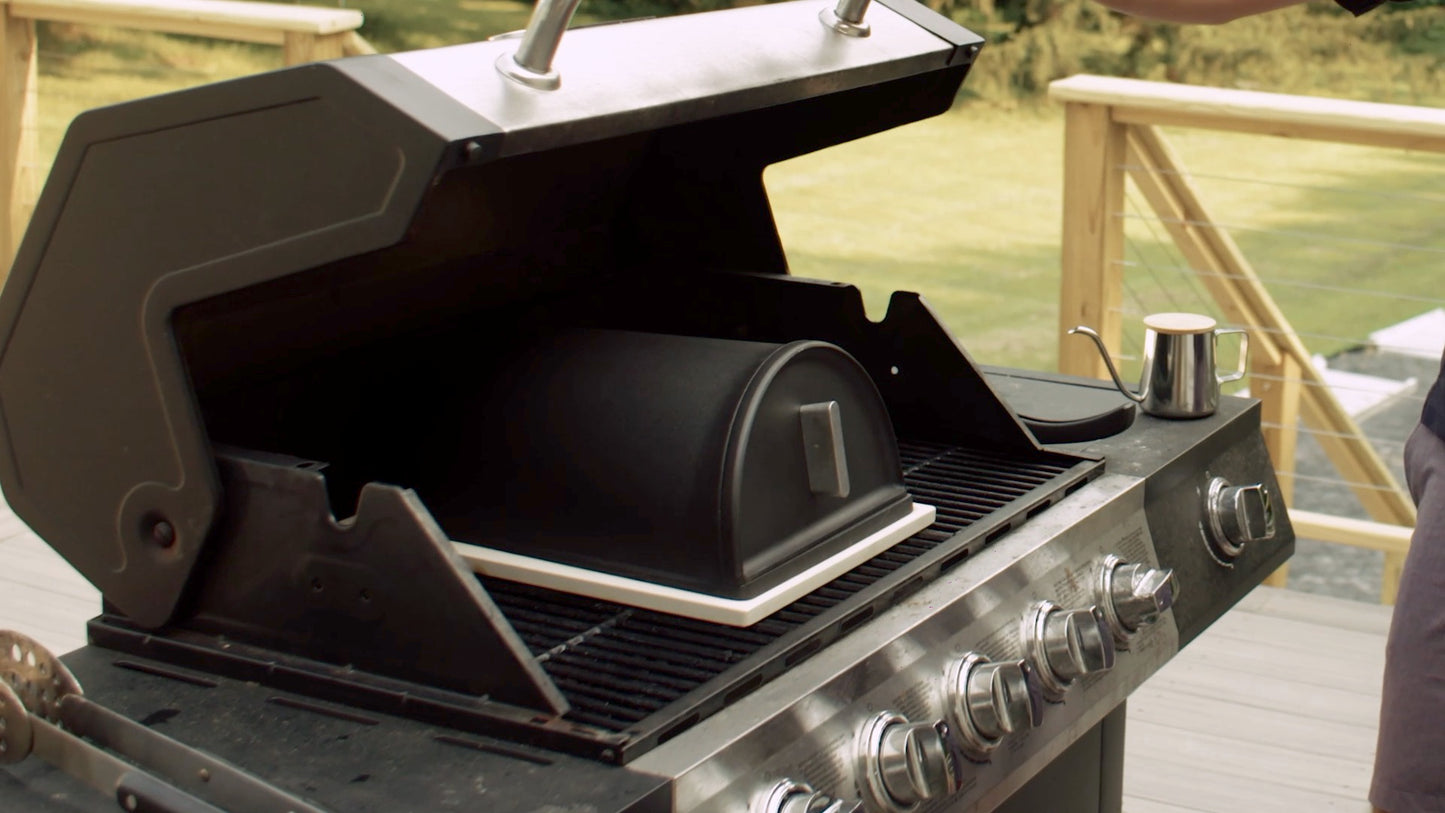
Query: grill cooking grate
{"x": 619, "y": 666}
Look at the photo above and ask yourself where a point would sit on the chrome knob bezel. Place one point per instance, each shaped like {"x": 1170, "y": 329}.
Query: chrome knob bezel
{"x": 1226, "y": 530}
{"x": 962, "y": 702}
{"x": 775, "y": 798}
{"x": 886, "y": 771}
{"x": 786, "y": 794}
{"x": 1108, "y": 594}
{"x": 1054, "y": 661}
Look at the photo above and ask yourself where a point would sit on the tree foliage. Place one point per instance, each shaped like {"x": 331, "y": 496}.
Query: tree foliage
{"x": 1394, "y": 54}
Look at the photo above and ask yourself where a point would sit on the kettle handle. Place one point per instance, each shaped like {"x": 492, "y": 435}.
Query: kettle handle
{"x": 1108, "y": 362}
{"x": 1243, "y": 354}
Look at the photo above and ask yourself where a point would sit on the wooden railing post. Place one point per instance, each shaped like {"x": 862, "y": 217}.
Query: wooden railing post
{"x": 1277, "y": 386}
{"x": 19, "y": 147}
{"x": 1092, "y": 288}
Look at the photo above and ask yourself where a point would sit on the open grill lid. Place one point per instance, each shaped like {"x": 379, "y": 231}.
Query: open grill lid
{"x": 191, "y": 245}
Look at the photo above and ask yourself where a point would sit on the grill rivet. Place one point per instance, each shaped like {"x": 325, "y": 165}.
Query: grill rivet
{"x": 163, "y": 533}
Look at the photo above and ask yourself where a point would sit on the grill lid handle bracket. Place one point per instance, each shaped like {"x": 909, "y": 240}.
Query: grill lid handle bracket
{"x": 847, "y": 18}
{"x": 531, "y": 65}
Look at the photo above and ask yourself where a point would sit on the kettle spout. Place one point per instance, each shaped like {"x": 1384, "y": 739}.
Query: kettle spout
{"x": 1108, "y": 362}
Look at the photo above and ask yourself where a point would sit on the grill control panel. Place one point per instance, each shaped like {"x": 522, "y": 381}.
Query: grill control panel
{"x": 965, "y": 689}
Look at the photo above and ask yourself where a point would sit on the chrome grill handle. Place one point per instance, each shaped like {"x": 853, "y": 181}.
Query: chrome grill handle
{"x": 531, "y": 65}
{"x": 847, "y": 18}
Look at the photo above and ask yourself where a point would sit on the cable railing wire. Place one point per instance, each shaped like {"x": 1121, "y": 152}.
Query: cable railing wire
{"x": 1350, "y": 191}
{"x": 1337, "y": 239}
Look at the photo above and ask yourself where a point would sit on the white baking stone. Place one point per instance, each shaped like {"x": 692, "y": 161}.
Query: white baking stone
{"x": 677, "y": 601}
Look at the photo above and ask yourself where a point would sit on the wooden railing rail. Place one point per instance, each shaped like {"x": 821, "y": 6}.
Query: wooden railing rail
{"x": 304, "y": 33}
{"x": 1112, "y": 136}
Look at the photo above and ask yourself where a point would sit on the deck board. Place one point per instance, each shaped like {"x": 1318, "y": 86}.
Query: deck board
{"x": 1272, "y": 709}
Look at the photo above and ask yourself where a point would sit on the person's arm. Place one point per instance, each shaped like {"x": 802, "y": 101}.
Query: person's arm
{"x": 1216, "y": 11}
{"x": 1196, "y": 11}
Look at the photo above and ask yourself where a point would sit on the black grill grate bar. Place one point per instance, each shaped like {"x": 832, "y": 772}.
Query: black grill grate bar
{"x": 870, "y": 571}
{"x": 955, "y": 519}
{"x": 935, "y": 477}
{"x": 961, "y": 459}
{"x": 529, "y": 612}
{"x": 539, "y": 638}
{"x": 606, "y": 649}
{"x": 613, "y": 697}
{"x": 964, "y": 502}
{"x": 945, "y": 476}
{"x": 566, "y": 604}
{"x": 582, "y": 714}
{"x": 812, "y": 602}
{"x": 700, "y": 642}
{"x": 958, "y": 523}
{"x": 677, "y": 651}
{"x": 775, "y": 625}
{"x": 946, "y": 470}
{"x": 650, "y": 681}
{"x": 604, "y": 703}
{"x": 895, "y": 558}
{"x": 627, "y": 690}
{"x": 995, "y": 495}
{"x": 853, "y": 582}
{"x": 699, "y": 631}
{"x": 604, "y": 658}
{"x": 834, "y": 592}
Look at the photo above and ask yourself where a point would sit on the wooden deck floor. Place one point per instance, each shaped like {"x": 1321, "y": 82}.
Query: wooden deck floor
{"x": 1272, "y": 710}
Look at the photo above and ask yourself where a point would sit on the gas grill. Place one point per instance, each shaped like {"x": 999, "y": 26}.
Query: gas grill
{"x": 444, "y": 431}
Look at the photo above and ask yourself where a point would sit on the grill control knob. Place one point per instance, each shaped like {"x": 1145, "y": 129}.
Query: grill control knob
{"x": 1237, "y": 515}
{"x": 1065, "y": 645}
{"x": 903, "y": 763}
{"x": 1132, "y": 595}
{"x": 788, "y": 796}
{"x": 989, "y": 699}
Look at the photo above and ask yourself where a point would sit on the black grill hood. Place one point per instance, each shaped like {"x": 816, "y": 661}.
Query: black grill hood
{"x": 245, "y": 263}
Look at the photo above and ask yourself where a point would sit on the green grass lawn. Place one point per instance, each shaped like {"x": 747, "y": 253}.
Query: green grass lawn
{"x": 964, "y": 208}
